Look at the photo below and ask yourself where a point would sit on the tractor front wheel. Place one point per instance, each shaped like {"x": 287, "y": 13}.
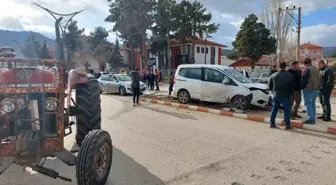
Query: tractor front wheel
{"x": 94, "y": 158}
{"x": 88, "y": 110}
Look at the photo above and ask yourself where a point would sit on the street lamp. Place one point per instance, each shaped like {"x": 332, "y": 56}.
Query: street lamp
{"x": 58, "y": 27}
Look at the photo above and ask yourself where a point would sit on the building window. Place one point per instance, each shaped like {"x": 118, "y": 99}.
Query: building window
{"x": 198, "y": 49}
{"x": 202, "y": 50}
{"x": 314, "y": 51}
{"x": 206, "y": 50}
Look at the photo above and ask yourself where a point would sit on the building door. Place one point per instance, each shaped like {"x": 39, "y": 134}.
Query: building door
{"x": 212, "y": 55}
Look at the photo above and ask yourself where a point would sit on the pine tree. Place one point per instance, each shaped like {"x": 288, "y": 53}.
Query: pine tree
{"x": 254, "y": 40}
{"x": 116, "y": 59}
{"x": 32, "y": 48}
{"x": 45, "y": 51}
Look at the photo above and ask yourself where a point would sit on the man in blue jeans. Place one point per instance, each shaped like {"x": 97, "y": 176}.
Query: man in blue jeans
{"x": 310, "y": 85}
{"x": 282, "y": 85}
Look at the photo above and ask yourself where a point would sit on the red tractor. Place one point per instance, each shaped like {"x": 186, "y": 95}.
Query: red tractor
{"x": 37, "y": 112}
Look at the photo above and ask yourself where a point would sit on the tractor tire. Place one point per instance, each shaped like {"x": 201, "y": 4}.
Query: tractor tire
{"x": 94, "y": 159}
{"x": 88, "y": 110}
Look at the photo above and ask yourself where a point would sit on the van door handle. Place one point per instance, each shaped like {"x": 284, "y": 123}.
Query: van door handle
{"x": 180, "y": 80}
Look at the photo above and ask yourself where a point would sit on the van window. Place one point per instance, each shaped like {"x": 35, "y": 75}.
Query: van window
{"x": 211, "y": 75}
{"x": 192, "y": 73}
{"x": 105, "y": 78}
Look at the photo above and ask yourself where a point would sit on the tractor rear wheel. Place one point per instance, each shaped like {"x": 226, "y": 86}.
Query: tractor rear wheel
{"x": 88, "y": 110}
{"x": 94, "y": 158}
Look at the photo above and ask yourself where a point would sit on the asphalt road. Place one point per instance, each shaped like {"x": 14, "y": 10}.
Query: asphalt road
{"x": 157, "y": 145}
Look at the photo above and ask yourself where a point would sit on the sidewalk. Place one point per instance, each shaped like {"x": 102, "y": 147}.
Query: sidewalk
{"x": 257, "y": 115}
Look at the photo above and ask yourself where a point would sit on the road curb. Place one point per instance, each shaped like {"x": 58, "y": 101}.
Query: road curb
{"x": 251, "y": 117}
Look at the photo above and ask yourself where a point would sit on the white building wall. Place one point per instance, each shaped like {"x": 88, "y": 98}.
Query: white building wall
{"x": 200, "y": 57}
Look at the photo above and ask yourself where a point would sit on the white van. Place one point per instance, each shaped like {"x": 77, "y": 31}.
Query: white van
{"x": 219, "y": 84}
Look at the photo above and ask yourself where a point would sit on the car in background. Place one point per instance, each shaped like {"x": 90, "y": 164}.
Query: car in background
{"x": 218, "y": 84}
{"x": 118, "y": 83}
{"x": 260, "y": 77}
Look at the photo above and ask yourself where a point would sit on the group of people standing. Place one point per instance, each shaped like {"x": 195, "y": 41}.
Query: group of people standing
{"x": 288, "y": 86}
{"x": 153, "y": 78}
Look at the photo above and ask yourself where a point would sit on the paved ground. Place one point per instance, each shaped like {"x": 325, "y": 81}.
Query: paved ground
{"x": 264, "y": 112}
{"x": 156, "y": 145}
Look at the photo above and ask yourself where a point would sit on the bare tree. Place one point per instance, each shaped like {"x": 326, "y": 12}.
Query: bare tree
{"x": 270, "y": 16}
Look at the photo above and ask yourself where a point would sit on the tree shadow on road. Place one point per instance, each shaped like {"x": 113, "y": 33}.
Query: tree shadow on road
{"x": 125, "y": 171}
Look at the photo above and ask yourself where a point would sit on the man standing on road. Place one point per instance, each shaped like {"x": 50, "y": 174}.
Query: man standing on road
{"x": 282, "y": 86}
{"x": 157, "y": 79}
{"x": 296, "y": 96}
{"x": 171, "y": 83}
{"x": 273, "y": 70}
{"x": 327, "y": 85}
{"x": 135, "y": 76}
{"x": 310, "y": 85}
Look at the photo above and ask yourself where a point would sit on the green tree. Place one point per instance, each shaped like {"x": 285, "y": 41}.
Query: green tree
{"x": 98, "y": 37}
{"x": 45, "y": 51}
{"x": 233, "y": 55}
{"x": 254, "y": 40}
{"x": 161, "y": 30}
{"x": 132, "y": 18}
{"x": 99, "y": 45}
{"x": 71, "y": 40}
{"x": 116, "y": 59}
{"x": 32, "y": 48}
{"x": 189, "y": 19}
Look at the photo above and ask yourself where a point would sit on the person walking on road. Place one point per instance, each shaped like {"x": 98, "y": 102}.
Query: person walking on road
{"x": 171, "y": 83}
{"x": 150, "y": 80}
{"x": 282, "y": 85}
{"x": 157, "y": 79}
{"x": 135, "y": 76}
{"x": 296, "y": 96}
{"x": 310, "y": 85}
{"x": 327, "y": 80}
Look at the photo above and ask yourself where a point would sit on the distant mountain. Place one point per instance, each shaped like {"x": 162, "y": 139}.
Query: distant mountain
{"x": 226, "y": 52}
{"x": 7, "y": 37}
{"x": 327, "y": 51}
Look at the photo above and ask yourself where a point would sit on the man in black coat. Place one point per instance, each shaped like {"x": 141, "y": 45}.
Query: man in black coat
{"x": 296, "y": 96}
{"x": 282, "y": 85}
{"x": 327, "y": 80}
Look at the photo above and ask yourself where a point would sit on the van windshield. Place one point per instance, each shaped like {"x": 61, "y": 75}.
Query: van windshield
{"x": 237, "y": 76}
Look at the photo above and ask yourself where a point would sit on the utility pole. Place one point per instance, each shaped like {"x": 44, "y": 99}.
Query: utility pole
{"x": 298, "y": 21}
{"x": 298, "y": 35}
{"x": 279, "y": 36}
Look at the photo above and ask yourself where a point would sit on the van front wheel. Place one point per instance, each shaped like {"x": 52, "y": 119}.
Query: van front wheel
{"x": 183, "y": 96}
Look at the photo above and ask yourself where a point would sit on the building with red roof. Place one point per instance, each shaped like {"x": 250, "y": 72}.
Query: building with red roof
{"x": 307, "y": 50}
{"x": 197, "y": 50}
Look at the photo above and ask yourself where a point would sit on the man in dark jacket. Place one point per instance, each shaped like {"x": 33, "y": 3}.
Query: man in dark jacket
{"x": 273, "y": 70}
{"x": 282, "y": 86}
{"x": 327, "y": 79}
{"x": 296, "y": 96}
{"x": 135, "y": 76}
{"x": 310, "y": 85}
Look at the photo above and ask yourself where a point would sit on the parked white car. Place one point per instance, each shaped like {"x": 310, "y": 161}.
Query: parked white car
{"x": 260, "y": 77}
{"x": 118, "y": 83}
{"x": 219, "y": 84}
